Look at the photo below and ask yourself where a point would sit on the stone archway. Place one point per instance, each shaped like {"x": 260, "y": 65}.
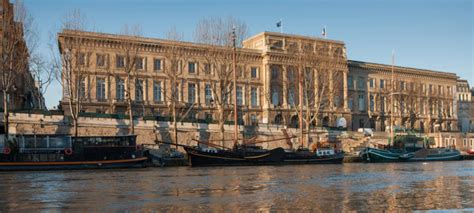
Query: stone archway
{"x": 326, "y": 121}
{"x": 294, "y": 121}
{"x": 278, "y": 119}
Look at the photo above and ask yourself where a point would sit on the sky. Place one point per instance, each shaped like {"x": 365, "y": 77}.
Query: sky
{"x": 427, "y": 34}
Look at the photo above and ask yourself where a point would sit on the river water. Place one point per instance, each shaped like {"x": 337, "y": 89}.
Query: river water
{"x": 327, "y": 188}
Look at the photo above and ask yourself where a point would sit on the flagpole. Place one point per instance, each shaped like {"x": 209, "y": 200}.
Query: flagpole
{"x": 281, "y": 25}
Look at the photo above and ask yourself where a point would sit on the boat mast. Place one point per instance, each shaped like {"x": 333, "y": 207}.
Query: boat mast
{"x": 236, "y": 128}
{"x": 392, "y": 103}
{"x": 300, "y": 85}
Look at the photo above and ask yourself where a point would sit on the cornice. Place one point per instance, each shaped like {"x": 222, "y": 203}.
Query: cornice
{"x": 404, "y": 71}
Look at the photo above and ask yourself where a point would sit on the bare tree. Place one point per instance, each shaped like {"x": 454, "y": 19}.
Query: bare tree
{"x": 176, "y": 56}
{"x": 14, "y": 60}
{"x": 131, "y": 63}
{"x": 217, "y": 32}
{"x": 71, "y": 64}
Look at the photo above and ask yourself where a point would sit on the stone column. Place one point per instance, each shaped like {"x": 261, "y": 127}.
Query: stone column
{"x": 345, "y": 98}
{"x": 285, "y": 85}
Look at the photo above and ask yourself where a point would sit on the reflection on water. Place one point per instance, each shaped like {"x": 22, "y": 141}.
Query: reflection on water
{"x": 366, "y": 187}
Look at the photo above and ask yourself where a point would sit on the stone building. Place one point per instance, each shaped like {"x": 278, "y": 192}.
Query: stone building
{"x": 464, "y": 104}
{"x": 356, "y": 94}
{"x": 422, "y": 99}
{"x": 22, "y": 93}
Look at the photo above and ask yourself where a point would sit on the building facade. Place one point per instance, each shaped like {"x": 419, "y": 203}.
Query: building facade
{"x": 272, "y": 68}
{"x": 15, "y": 79}
{"x": 464, "y": 100}
{"x": 419, "y": 99}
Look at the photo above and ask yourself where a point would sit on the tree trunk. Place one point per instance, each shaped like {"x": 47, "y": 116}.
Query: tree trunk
{"x": 221, "y": 126}
{"x": 307, "y": 135}
{"x": 74, "y": 121}
{"x": 130, "y": 110}
{"x": 130, "y": 113}
{"x": 175, "y": 126}
{"x": 5, "y": 113}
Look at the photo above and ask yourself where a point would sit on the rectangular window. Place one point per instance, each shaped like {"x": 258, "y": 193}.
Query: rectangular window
{"x": 402, "y": 85}
{"x": 207, "y": 68}
{"x": 240, "y": 71}
{"x": 350, "y": 104}
{"x": 372, "y": 103}
{"x": 360, "y": 83}
{"x": 139, "y": 90}
{"x": 240, "y": 101}
{"x": 254, "y": 72}
{"x": 100, "y": 60}
{"x": 208, "y": 94}
{"x": 82, "y": 88}
{"x": 100, "y": 89}
{"x": 382, "y": 83}
{"x": 291, "y": 96}
{"x": 192, "y": 67}
{"x": 120, "y": 89}
{"x": 81, "y": 59}
{"x": 139, "y": 63}
{"x": 361, "y": 103}
{"x": 412, "y": 86}
{"x": 254, "y": 97}
{"x": 372, "y": 83}
{"x": 157, "y": 64}
{"x": 274, "y": 73}
{"x": 350, "y": 82}
{"x": 120, "y": 61}
{"x": 191, "y": 93}
{"x": 157, "y": 91}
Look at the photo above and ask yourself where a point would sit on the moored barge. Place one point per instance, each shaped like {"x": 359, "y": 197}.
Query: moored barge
{"x": 50, "y": 152}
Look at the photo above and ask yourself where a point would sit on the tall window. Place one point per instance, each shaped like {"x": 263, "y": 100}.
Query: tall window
{"x": 139, "y": 90}
{"x": 253, "y": 97}
{"x": 100, "y": 89}
{"x": 402, "y": 85}
{"x": 350, "y": 103}
{"x": 120, "y": 89}
{"x": 274, "y": 73}
{"x": 81, "y": 59}
{"x": 100, "y": 60}
{"x": 291, "y": 96}
{"x": 82, "y": 88}
{"x": 254, "y": 72}
{"x": 191, "y": 93}
{"x": 350, "y": 82}
{"x": 157, "y": 64}
{"x": 360, "y": 83}
{"x": 382, "y": 83}
{"x": 372, "y": 103}
{"x": 361, "y": 103}
{"x": 192, "y": 67}
{"x": 240, "y": 101}
{"x": 372, "y": 83}
{"x": 208, "y": 94}
{"x": 207, "y": 68}
{"x": 157, "y": 91}
{"x": 275, "y": 97}
{"x": 120, "y": 61}
{"x": 139, "y": 63}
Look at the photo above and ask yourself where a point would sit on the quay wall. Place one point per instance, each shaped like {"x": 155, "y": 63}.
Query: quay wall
{"x": 148, "y": 131}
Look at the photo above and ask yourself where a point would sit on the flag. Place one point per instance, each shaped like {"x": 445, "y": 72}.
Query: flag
{"x": 278, "y": 24}
{"x": 324, "y": 32}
